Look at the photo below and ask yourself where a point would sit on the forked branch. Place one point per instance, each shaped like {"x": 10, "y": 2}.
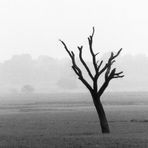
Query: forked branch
{"x": 76, "y": 69}
{"x": 106, "y": 69}
{"x": 107, "y": 66}
{"x": 83, "y": 62}
{"x": 90, "y": 41}
{"x": 109, "y": 73}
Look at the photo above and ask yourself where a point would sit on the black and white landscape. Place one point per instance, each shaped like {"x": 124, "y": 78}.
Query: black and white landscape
{"x": 73, "y": 74}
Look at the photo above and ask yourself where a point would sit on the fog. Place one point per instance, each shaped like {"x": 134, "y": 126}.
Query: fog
{"x": 48, "y": 75}
{"x": 34, "y": 26}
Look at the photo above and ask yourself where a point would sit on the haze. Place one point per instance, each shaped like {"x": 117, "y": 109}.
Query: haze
{"x": 31, "y": 54}
{"x": 48, "y": 75}
{"x": 34, "y": 26}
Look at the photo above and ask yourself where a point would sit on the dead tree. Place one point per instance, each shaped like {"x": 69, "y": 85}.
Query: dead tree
{"x": 100, "y": 69}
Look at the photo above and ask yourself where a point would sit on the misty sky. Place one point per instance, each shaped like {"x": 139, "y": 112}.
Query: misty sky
{"x": 46, "y": 74}
{"x": 34, "y": 26}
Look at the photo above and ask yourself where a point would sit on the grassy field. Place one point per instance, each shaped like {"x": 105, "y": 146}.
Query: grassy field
{"x": 70, "y": 121}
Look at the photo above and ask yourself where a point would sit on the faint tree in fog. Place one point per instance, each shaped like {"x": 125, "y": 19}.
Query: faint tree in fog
{"x": 100, "y": 69}
{"x": 27, "y": 89}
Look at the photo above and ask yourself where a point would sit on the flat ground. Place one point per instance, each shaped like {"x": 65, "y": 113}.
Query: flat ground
{"x": 47, "y": 124}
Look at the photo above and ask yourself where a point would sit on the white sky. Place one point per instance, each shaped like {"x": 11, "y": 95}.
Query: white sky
{"x": 34, "y": 26}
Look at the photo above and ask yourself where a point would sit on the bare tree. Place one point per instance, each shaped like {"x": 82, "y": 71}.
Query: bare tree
{"x": 27, "y": 89}
{"x": 100, "y": 69}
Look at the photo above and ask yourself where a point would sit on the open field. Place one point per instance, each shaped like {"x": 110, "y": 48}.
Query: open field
{"x": 40, "y": 122}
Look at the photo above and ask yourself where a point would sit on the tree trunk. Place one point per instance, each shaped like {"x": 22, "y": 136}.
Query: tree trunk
{"x": 102, "y": 116}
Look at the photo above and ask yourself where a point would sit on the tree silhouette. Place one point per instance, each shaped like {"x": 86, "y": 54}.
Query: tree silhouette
{"x": 27, "y": 89}
{"x": 100, "y": 69}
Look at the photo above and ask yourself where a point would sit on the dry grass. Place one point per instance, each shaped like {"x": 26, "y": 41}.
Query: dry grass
{"x": 72, "y": 126}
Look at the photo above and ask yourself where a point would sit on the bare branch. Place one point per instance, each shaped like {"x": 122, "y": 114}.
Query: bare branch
{"x": 118, "y": 75}
{"x": 86, "y": 84}
{"x": 100, "y": 65}
{"x": 113, "y": 74}
{"x": 117, "y": 53}
{"x": 102, "y": 89}
{"x": 90, "y": 41}
{"x": 97, "y": 53}
{"x": 109, "y": 63}
{"x": 83, "y": 62}
{"x": 106, "y": 69}
{"x": 109, "y": 73}
{"x": 93, "y": 31}
{"x": 76, "y": 69}
{"x": 66, "y": 48}
{"x": 72, "y": 56}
